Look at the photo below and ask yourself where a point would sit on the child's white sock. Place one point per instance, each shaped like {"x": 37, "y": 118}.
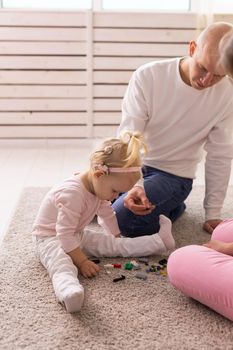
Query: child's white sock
{"x": 68, "y": 291}
{"x": 73, "y": 301}
{"x": 165, "y": 232}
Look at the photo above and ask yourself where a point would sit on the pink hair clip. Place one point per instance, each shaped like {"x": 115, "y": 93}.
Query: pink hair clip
{"x": 108, "y": 150}
{"x": 102, "y": 167}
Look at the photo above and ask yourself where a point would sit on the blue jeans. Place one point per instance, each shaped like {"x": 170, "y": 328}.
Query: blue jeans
{"x": 166, "y": 191}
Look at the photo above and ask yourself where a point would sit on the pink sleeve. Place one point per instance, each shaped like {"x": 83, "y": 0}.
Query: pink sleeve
{"x": 107, "y": 218}
{"x": 69, "y": 208}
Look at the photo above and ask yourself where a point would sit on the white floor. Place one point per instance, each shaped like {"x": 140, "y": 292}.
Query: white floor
{"x": 42, "y": 163}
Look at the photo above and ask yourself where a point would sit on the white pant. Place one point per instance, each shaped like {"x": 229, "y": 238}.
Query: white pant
{"x": 63, "y": 272}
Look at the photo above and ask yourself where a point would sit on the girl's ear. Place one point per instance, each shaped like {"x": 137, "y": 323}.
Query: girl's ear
{"x": 98, "y": 173}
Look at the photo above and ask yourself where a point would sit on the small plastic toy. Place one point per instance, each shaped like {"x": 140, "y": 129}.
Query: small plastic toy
{"x": 119, "y": 278}
{"x": 128, "y": 266}
{"x": 96, "y": 261}
{"x": 163, "y": 272}
{"x": 143, "y": 260}
{"x": 115, "y": 266}
{"x": 108, "y": 266}
{"x": 134, "y": 262}
{"x": 141, "y": 276}
{"x": 163, "y": 262}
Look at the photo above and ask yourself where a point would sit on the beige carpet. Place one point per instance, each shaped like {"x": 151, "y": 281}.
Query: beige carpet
{"x": 131, "y": 314}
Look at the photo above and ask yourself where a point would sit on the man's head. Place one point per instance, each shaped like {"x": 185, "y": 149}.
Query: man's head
{"x": 204, "y": 68}
{"x": 226, "y": 52}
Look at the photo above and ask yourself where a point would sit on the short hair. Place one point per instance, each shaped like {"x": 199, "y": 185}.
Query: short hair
{"x": 123, "y": 152}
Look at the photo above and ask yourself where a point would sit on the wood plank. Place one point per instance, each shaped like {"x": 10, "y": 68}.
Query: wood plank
{"x": 41, "y": 96}
{"x": 106, "y": 118}
{"x": 42, "y": 34}
{"x": 144, "y": 35}
{"x": 223, "y": 17}
{"x": 144, "y": 20}
{"x": 42, "y": 77}
{"x": 109, "y": 90}
{"x": 42, "y": 48}
{"x": 53, "y": 131}
{"x": 43, "y": 62}
{"x": 122, "y": 63}
{"x": 42, "y": 18}
{"x": 110, "y": 104}
{"x": 104, "y": 130}
{"x": 49, "y": 91}
{"x": 132, "y": 49}
{"x": 117, "y": 77}
{"x": 33, "y": 118}
{"x": 73, "y": 63}
{"x": 43, "y": 105}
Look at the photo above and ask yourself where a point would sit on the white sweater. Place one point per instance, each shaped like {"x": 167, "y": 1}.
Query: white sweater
{"x": 178, "y": 121}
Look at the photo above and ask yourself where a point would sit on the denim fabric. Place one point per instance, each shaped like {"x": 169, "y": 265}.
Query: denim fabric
{"x": 166, "y": 191}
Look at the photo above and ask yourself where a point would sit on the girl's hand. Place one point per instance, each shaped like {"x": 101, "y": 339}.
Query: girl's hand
{"x": 222, "y": 247}
{"x": 89, "y": 269}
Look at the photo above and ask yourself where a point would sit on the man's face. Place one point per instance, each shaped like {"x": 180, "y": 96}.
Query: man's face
{"x": 204, "y": 69}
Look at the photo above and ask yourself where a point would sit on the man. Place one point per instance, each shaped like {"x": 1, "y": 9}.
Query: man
{"x": 226, "y": 52}
{"x": 182, "y": 106}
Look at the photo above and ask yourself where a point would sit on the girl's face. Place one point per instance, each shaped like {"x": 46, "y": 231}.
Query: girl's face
{"x": 108, "y": 187}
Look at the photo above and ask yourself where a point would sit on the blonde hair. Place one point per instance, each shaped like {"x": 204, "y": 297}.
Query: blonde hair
{"x": 122, "y": 152}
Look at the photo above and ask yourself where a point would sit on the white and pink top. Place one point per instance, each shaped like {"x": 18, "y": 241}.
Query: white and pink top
{"x": 67, "y": 209}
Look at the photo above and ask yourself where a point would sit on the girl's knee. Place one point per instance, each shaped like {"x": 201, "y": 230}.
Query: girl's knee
{"x": 183, "y": 260}
{"x": 224, "y": 231}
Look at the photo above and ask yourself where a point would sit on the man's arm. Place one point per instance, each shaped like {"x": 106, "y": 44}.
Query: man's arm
{"x": 134, "y": 106}
{"x": 135, "y": 117}
{"x": 219, "y": 148}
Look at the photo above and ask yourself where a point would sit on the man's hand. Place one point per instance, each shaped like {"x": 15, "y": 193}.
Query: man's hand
{"x": 89, "y": 269}
{"x": 210, "y": 225}
{"x": 137, "y": 201}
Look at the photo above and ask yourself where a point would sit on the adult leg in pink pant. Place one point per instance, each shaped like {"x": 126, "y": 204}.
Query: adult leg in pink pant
{"x": 205, "y": 274}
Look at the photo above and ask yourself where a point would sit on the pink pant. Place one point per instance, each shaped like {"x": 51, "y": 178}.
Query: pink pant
{"x": 205, "y": 274}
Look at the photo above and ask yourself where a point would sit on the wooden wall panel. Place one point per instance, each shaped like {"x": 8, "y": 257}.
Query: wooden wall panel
{"x": 64, "y": 73}
{"x": 122, "y": 43}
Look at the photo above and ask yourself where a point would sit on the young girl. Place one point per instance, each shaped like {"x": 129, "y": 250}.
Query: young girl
{"x": 62, "y": 239}
{"x": 204, "y": 272}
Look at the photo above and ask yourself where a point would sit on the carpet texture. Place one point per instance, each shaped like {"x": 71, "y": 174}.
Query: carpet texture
{"x": 130, "y": 314}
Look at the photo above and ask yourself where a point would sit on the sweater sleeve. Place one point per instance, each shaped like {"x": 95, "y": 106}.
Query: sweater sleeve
{"x": 107, "y": 218}
{"x": 134, "y": 106}
{"x": 219, "y": 148}
{"x": 69, "y": 211}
